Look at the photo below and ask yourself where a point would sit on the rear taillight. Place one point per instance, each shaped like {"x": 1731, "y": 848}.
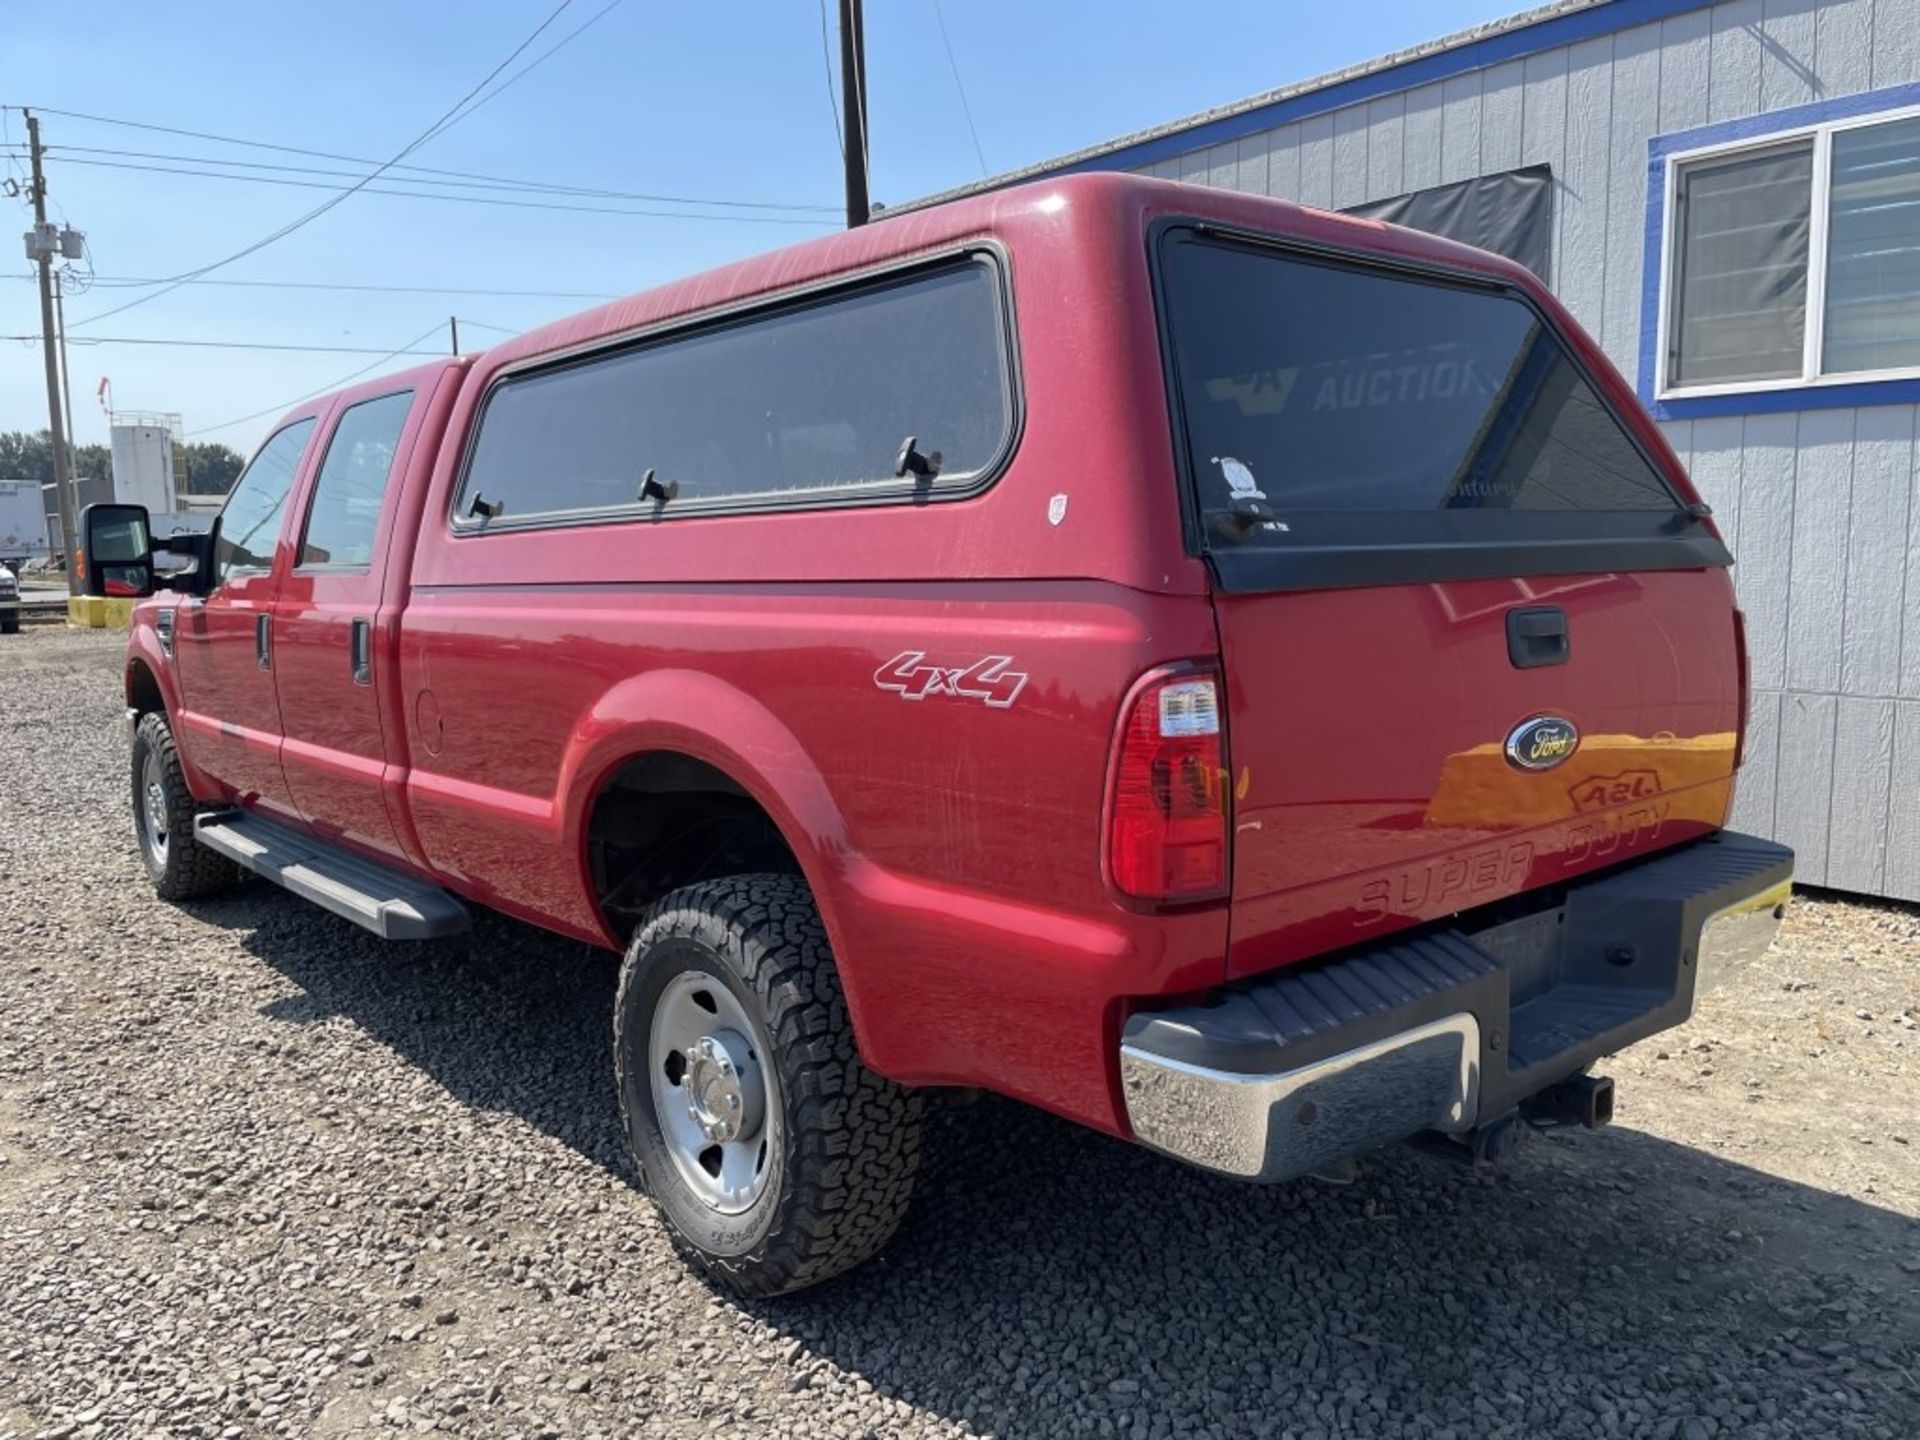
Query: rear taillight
{"x": 1167, "y": 805}
{"x": 1746, "y": 688}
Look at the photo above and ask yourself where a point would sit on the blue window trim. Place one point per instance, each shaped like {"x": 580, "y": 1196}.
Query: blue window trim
{"x": 1828, "y": 396}
{"x": 1550, "y": 34}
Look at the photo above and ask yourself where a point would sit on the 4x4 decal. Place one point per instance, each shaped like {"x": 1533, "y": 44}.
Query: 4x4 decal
{"x": 989, "y": 679}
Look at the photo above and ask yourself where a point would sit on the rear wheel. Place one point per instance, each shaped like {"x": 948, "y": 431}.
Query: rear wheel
{"x": 180, "y": 867}
{"x": 777, "y": 1159}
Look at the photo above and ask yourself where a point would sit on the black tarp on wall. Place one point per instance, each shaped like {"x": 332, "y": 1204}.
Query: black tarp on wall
{"x": 1510, "y": 214}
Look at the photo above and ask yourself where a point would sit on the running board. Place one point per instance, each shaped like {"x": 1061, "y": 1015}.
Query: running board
{"x": 393, "y": 905}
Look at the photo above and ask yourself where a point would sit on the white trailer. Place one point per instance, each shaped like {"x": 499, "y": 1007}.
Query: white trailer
{"x": 23, "y": 529}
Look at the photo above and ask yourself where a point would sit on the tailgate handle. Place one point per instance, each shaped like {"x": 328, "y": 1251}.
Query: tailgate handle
{"x": 1536, "y": 636}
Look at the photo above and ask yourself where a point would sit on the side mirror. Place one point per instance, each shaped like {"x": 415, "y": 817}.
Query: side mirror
{"x": 116, "y": 552}
{"x": 196, "y": 576}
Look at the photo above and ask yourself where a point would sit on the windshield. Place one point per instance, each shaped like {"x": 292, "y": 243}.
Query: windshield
{"x": 1321, "y": 389}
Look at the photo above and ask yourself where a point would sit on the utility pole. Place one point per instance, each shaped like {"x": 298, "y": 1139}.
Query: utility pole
{"x": 853, "y": 108}
{"x": 66, "y": 381}
{"x": 41, "y": 245}
{"x": 453, "y": 334}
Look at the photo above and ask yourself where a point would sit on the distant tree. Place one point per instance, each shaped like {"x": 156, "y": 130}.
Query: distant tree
{"x": 23, "y": 456}
{"x": 211, "y": 468}
{"x": 28, "y": 455}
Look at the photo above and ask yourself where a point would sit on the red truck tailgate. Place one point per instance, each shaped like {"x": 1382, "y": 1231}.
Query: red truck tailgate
{"x": 1367, "y": 734}
{"x": 1477, "y": 633}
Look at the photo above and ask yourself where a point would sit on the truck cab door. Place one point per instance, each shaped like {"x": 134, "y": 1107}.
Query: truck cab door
{"x": 224, "y": 642}
{"x": 332, "y": 670}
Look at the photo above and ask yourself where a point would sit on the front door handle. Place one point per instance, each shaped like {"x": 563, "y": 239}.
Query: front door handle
{"x": 263, "y": 640}
{"x": 360, "y": 652}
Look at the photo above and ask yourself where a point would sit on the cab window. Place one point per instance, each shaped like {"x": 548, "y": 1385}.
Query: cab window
{"x": 344, "y": 514}
{"x": 250, "y": 521}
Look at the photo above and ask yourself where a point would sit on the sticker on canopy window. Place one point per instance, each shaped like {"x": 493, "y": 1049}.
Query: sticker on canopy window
{"x": 1239, "y": 478}
{"x": 1248, "y": 502}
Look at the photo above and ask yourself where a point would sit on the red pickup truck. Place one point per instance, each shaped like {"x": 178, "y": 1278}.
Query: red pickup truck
{"x": 1248, "y": 680}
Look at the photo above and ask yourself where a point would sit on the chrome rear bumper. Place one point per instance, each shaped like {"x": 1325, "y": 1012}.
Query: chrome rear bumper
{"x": 1274, "y": 1127}
{"x": 1450, "y": 1030}
{"x": 1740, "y": 934}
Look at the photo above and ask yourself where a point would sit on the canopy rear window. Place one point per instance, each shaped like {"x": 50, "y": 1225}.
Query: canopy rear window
{"x": 1382, "y": 417}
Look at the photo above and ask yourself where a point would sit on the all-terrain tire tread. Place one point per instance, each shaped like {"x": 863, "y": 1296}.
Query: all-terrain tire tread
{"x": 853, "y": 1138}
{"x": 192, "y": 872}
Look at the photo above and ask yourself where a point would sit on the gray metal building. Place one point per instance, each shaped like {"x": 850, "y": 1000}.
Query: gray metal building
{"x": 1733, "y": 211}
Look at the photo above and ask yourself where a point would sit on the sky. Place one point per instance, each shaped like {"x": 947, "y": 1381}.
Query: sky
{"x": 703, "y": 101}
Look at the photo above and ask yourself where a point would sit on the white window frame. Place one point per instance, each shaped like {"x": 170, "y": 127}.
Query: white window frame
{"x": 1822, "y": 133}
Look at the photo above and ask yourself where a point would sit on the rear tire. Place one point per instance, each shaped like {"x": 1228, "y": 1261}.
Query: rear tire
{"x": 9, "y": 624}
{"x": 777, "y": 1159}
{"x": 180, "y": 867}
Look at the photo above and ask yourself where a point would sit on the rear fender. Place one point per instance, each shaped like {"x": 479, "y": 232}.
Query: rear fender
{"x": 742, "y": 739}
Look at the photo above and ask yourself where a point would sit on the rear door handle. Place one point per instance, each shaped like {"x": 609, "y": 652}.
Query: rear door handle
{"x": 360, "y": 652}
{"x": 1537, "y": 636}
{"x": 263, "y": 640}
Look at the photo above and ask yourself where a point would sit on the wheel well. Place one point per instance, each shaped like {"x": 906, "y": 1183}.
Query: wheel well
{"x": 143, "y": 690}
{"x": 663, "y": 820}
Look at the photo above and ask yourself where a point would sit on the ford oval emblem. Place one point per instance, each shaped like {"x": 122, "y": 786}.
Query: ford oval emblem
{"x": 1542, "y": 742}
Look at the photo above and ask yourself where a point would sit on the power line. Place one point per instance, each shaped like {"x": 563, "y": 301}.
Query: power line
{"x": 545, "y": 55}
{"x": 448, "y": 118}
{"x": 419, "y": 175}
{"x": 954, "y": 65}
{"x": 230, "y": 344}
{"x": 13, "y": 151}
{"x": 111, "y": 280}
{"x": 826, "y": 56}
{"x": 344, "y": 380}
{"x": 590, "y": 192}
{"x": 174, "y": 282}
{"x": 483, "y": 325}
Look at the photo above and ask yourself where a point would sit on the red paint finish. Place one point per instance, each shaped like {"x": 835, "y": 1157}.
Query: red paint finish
{"x": 1373, "y": 791}
{"x": 342, "y": 751}
{"x": 955, "y": 843}
{"x": 842, "y": 666}
{"x": 228, "y": 726}
{"x": 231, "y": 725}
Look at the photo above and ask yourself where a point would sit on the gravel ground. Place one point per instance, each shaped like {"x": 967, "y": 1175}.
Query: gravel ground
{"x": 261, "y": 1175}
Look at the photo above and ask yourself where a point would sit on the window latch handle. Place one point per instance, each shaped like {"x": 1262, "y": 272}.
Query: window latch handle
{"x": 1246, "y": 513}
{"x": 912, "y": 460}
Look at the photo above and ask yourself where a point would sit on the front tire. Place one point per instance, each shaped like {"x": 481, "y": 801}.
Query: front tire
{"x": 777, "y": 1159}
{"x": 180, "y": 867}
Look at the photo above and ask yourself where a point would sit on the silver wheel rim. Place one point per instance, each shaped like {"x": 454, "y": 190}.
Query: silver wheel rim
{"x": 153, "y": 808}
{"x": 717, "y": 1104}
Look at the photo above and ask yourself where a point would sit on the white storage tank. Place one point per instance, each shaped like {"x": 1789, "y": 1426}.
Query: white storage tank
{"x": 143, "y": 462}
